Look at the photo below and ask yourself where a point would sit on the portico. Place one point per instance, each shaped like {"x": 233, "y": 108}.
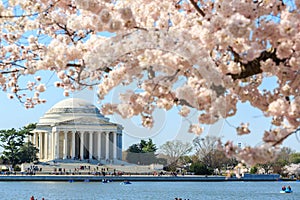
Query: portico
{"x": 75, "y": 129}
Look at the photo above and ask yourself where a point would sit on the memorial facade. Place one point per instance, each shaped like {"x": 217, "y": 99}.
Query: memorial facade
{"x": 75, "y": 129}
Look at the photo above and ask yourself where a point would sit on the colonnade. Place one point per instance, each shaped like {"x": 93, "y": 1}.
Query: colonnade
{"x": 77, "y": 145}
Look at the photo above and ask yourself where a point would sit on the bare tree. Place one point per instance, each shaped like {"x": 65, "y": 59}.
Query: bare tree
{"x": 175, "y": 149}
{"x": 206, "y": 149}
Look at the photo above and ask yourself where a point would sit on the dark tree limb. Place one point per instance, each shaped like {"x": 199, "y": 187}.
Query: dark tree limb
{"x": 198, "y": 9}
{"x": 253, "y": 67}
{"x": 280, "y": 141}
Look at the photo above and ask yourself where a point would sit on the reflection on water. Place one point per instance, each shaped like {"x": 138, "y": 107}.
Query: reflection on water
{"x": 147, "y": 190}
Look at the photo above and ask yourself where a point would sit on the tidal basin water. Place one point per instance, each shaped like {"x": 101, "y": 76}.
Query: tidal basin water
{"x": 147, "y": 190}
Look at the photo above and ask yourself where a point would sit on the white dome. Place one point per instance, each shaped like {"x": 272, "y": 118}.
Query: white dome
{"x": 70, "y": 109}
{"x": 73, "y": 103}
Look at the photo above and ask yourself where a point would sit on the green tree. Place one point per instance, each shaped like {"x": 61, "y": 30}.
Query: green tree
{"x": 282, "y": 160}
{"x": 277, "y": 165}
{"x": 186, "y": 160}
{"x": 147, "y": 147}
{"x": 295, "y": 158}
{"x": 253, "y": 170}
{"x": 142, "y": 153}
{"x": 26, "y": 130}
{"x": 199, "y": 168}
{"x": 28, "y": 153}
{"x": 134, "y": 148}
{"x": 11, "y": 141}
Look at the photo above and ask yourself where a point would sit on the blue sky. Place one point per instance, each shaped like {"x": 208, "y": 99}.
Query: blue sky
{"x": 169, "y": 125}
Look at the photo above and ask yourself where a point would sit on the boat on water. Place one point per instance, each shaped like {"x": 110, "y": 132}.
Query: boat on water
{"x": 125, "y": 182}
{"x": 106, "y": 180}
{"x": 286, "y": 191}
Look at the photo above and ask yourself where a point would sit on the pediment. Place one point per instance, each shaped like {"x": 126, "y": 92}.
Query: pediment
{"x": 85, "y": 121}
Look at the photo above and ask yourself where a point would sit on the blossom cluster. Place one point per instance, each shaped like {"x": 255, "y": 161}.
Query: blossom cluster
{"x": 206, "y": 56}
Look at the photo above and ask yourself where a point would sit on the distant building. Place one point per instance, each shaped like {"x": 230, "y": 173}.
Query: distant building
{"x": 75, "y": 129}
{"x": 240, "y": 145}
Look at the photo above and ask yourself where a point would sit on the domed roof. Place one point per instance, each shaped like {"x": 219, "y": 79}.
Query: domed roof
{"x": 73, "y": 103}
{"x": 70, "y": 109}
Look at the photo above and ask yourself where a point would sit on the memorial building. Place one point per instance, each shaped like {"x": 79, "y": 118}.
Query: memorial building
{"x": 75, "y": 129}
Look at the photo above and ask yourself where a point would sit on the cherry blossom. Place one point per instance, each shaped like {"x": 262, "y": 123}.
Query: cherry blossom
{"x": 184, "y": 111}
{"x": 192, "y": 55}
{"x": 195, "y": 128}
{"x": 243, "y": 129}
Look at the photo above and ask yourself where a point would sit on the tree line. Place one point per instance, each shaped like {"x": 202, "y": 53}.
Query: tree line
{"x": 201, "y": 156}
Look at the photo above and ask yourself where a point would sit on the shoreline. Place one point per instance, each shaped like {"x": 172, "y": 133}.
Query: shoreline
{"x": 93, "y": 178}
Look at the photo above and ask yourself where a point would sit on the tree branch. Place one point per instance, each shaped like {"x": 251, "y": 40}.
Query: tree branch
{"x": 253, "y": 67}
{"x": 197, "y": 8}
{"x": 30, "y": 14}
{"x": 283, "y": 138}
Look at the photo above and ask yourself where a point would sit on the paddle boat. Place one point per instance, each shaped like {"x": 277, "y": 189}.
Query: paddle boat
{"x": 126, "y": 182}
{"x": 286, "y": 190}
{"x": 107, "y": 180}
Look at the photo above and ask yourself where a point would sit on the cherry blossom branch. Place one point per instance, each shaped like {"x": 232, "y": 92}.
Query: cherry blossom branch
{"x": 31, "y": 14}
{"x": 12, "y": 64}
{"x": 253, "y": 67}
{"x": 64, "y": 27}
{"x": 80, "y": 83}
{"x": 78, "y": 80}
{"x": 73, "y": 34}
{"x": 197, "y": 8}
{"x": 283, "y": 138}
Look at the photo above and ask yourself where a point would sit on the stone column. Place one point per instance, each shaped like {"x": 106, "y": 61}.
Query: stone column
{"x": 37, "y": 139}
{"x": 81, "y": 144}
{"x": 53, "y": 145}
{"x": 120, "y": 146}
{"x": 73, "y": 144}
{"x": 90, "y": 145}
{"x": 115, "y": 146}
{"x": 46, "y": 145}
{"x": 65, "y": 153}
{"x": 40, "y": 145}
{"x": 107, "y": 146}
{"x": 99, "y": 146}
{"x": 57, "y": 145}
{"x": 31, "y": 138}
